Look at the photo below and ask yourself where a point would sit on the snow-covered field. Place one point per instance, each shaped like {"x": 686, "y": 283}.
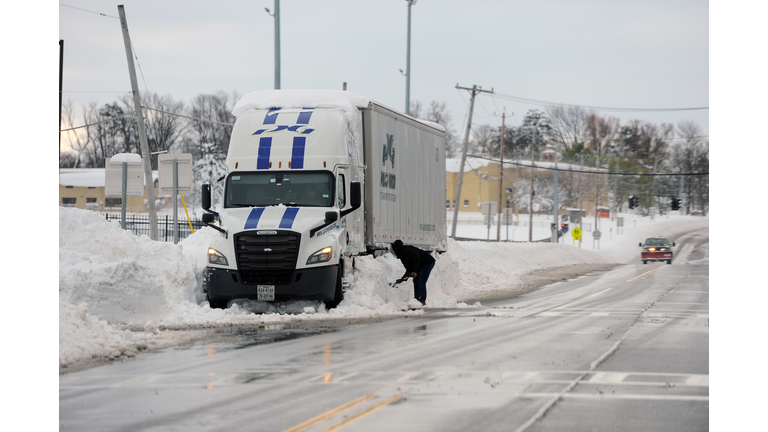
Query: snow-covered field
{"x": 120, "y": 294}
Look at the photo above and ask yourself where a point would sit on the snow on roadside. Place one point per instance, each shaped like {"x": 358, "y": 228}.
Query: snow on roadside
{"x": 119, "y": 293}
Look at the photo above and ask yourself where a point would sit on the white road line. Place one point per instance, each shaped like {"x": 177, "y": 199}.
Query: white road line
{"x": 617, "y": 396}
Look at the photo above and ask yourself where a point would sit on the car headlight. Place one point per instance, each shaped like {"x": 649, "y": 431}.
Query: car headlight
{"x": 651, "y": 249}
{"x": 216, "y": 257}
{"x": 320, "y": 256}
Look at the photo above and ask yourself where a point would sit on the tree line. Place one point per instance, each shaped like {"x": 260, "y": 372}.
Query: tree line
{"x": 581, "y": 137}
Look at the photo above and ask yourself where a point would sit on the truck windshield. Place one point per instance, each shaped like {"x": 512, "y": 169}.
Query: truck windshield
{"x": 260, "y": 189}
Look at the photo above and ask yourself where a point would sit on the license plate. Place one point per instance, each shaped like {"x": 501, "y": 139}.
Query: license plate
{"x": 265, "y": 292}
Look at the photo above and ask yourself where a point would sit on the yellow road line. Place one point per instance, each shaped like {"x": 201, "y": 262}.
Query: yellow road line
{"x": 363, "y": 413}
{"x": 642, "y": 275}
{"x": 328, "y": 414}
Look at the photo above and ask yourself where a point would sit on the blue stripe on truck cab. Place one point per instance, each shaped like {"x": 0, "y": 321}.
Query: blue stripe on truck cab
{"x": 253, "y": 218}
{"x": 288, "y": 217}
{"x": 304, "y": 116}
{"x": 265, "y": 146}
{"x": 271, "y": 116}
{"x": 297, "y": 155}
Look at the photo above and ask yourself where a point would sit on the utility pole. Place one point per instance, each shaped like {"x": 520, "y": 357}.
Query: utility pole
{"x": 276, "y": 16}
{"x": 61, "y": 71}
{"x": 475, "y": 91}
{"x": 147, "y": 159}
{"x": 556, "y": 227}
{"x": 408, "y": 63}
{"x": 501, "y": 180}
{"x": 530, "y": 205}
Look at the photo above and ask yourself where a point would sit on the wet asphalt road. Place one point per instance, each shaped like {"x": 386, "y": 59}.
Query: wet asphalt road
{"x": 622, "y": 349}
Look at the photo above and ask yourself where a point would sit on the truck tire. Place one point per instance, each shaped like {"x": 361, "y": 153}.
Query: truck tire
{"x": 338, "y": 294}
{"x": 645, "y": 262}
{"x": 216, "y": 304}
{"x": 669, "y": 261}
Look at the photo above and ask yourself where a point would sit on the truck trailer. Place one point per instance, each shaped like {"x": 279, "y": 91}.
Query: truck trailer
{"x": 313, "y": 179}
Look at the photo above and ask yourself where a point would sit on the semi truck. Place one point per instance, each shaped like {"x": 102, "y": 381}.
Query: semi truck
{"x": 315, "y": 178}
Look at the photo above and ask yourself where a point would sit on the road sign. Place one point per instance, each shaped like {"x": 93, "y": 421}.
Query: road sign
{"x": 596, "y": 234}
{"x": 576, "y": 233}
{"x": 113, "y": 175}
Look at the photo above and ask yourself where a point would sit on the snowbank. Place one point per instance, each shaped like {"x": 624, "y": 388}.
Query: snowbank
{"x": 119, "y": 293}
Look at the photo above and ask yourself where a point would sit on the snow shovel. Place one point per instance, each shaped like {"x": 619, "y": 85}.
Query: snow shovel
{"x": 392, "y": 284}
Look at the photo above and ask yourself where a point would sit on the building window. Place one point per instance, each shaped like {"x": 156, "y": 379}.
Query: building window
{"x": 91, "y": 187}
{"x": 113, "y": 202}
{"x": 448, "y": 204}
{"x": 466, "y": 203}
{"x": 69, "y": 202}
{"x": 69, "y": 187}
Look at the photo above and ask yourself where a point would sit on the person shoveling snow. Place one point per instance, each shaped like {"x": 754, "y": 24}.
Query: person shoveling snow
{"x": 418, "y": 265}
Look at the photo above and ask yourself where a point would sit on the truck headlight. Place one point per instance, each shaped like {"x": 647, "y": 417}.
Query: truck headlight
{"x": 651, "y": 249}
{"x": 216, "y": 257}
{"x": 320, "y": 256}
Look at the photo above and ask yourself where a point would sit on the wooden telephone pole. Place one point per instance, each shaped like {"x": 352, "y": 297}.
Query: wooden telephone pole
{"x": 142, "y": 131}
{"x": 501, "y": 181}
{"x": 475, "y": 91}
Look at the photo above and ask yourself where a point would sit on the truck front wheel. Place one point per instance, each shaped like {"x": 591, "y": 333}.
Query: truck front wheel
{"x": 338, "y": 294}
{"x": 216, "y": 304}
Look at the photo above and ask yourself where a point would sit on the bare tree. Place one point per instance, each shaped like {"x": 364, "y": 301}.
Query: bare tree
{"x": 569, "y": 124}
{"x": 163, "y": 122}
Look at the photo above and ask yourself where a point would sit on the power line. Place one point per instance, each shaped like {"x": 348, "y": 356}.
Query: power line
{"x": 597, "y": 108}
{"x": 146, "y": 108}
{"x": 90, "y": 11}
{"x": 594, "y": 172}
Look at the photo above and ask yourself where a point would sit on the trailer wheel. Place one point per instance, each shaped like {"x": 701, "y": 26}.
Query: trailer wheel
{"x": 338, "y": 294}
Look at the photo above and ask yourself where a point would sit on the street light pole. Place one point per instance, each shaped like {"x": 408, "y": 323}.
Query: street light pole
{"x": 408, "y": 63}
{"x": 276, "y": 15}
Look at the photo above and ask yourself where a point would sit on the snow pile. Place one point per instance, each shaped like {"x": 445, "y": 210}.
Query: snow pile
{"x": 120, "y": 293}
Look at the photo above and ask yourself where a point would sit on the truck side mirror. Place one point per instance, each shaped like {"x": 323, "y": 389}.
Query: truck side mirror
{"x": 206, "y": 196}
{"x": 331, "y": 216}
{"x": 208, "y": 217}
{"x": 640, "y": 244}
{"x": 355, "y": 194}
{"x": 673, "y": 243}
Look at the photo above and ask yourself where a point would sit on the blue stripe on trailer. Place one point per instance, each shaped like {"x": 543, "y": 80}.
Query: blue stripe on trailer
{"x": 265, "y": 146}
{"x": 271, "y": 116}
{"x": 288, "y": 217}
{"x": 304, "y": 117}
{"x": 297, "y": 157}
{"x": 253, "y": 218}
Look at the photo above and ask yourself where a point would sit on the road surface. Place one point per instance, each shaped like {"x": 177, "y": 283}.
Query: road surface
{"x": 621, "y": 349}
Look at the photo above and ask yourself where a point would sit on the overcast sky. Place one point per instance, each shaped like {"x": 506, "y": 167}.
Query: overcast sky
{"x": 591, "y": 53}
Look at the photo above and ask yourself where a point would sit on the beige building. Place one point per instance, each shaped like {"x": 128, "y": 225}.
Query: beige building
{"x": 84, "y": 188}
{"x": 481, "y": 183}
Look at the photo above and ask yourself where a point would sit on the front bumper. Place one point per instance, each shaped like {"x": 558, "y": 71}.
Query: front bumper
{"x": 309, "y": 284}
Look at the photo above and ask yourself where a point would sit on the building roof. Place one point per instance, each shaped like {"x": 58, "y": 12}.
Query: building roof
{"x": 472, "y": 163}
{"x": 86, "y": 177}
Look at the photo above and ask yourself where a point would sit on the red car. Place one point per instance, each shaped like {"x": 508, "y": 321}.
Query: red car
{"x": 657, "y": 249}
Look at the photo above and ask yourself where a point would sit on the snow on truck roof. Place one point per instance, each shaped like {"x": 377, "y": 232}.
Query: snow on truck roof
{"x": 347, "y": 102}
{"x": 343, "y": 100}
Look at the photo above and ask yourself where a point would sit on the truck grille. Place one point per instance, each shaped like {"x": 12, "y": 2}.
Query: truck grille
{"x": 267, "y": 259}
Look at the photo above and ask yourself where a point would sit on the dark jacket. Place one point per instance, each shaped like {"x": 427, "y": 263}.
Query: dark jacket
{"x": 412, "y": 257}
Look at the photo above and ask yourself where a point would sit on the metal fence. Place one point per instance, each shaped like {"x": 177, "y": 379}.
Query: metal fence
{"x": 139, "y": 225}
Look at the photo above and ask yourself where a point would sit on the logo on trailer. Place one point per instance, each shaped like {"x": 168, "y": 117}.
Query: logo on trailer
{"x": 389, "y": 151}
